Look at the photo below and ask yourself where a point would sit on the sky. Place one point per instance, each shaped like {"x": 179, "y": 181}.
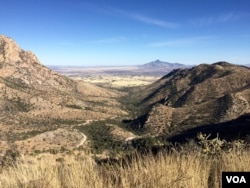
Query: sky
{"x": 129, "y": 32}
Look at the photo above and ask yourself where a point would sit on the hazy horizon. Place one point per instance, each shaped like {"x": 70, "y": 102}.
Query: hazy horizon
{"x": 118, "y": 33}
{"x": 134, "y": 65}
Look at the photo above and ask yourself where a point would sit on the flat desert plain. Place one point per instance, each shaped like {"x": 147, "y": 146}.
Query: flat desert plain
{"x": 114, "y": 77}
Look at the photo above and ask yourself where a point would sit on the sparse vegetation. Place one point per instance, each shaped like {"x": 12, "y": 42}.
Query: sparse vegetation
{"x": 175, "y": 169}
{"x": 44, "y": 113}
{"x": 99, "y": 134}
{"x": 74, "y": 106}
{"x": 29, "y": 134}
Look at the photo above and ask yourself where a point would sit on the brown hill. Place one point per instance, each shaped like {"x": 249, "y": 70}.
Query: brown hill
{"x": 202, "y": 95}
{"x": 35, "y": 97}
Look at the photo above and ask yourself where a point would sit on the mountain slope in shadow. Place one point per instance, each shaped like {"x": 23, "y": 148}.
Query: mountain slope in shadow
{"x": 230, "y": 130}
{"x": 188, "y": 98}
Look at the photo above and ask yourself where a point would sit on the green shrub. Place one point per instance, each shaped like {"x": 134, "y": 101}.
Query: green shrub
{"x": 216, "y": 146}
{"x": 210, "y": 147}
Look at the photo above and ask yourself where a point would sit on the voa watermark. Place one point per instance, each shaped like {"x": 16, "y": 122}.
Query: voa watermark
{"x": 235, "y": 179}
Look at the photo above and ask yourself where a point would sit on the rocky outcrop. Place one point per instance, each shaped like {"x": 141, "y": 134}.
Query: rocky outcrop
{"x": 31, "y": 93}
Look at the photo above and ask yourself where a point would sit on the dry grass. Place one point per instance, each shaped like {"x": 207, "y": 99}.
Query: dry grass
{"x": 178, "y": 169}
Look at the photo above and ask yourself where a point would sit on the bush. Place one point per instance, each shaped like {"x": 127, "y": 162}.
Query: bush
{"x": 210, "y": 147}
{"x": 216, "y": 146}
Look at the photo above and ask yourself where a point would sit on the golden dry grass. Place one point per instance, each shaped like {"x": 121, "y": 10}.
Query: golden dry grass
{"x": 165, "y": 170}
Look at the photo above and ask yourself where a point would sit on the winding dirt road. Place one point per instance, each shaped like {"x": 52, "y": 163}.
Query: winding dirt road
{"x": 84, "y": 138}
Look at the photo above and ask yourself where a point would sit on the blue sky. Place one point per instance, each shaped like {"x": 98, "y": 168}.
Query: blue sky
{"x": 129, "y": 32}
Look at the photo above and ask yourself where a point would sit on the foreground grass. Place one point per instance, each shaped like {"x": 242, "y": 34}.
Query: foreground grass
{"x": 177, "y": 169}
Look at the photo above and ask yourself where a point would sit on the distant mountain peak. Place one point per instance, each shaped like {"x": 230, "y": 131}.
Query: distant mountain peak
{"x": 157, "y": 61}
{"x": 158, "y": 64}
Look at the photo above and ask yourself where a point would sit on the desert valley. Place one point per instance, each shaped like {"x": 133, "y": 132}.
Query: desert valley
{"x": 80, "y": 118}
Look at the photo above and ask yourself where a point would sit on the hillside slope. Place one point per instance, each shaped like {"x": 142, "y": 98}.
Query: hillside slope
{"x": 35, "y": 97}
{"x": 205, "y": 94}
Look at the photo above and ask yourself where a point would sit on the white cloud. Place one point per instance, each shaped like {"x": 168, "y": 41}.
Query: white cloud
{"x": 226, "y": 17}
{"x": 145, "y": 19}
{"x": 156, "y": 22}
{"x": 232, "y": 16}
{"x": 182, "y": 41}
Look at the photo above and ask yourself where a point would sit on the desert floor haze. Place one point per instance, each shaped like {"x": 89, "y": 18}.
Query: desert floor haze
{"x": 154, "y": 125}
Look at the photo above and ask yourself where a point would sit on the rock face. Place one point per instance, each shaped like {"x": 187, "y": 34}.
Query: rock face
{"x": 9, "y": 51}
{"x": 205, "y": 94}
{"x": 23, "y": 67}
{"x": 32, "y": 94}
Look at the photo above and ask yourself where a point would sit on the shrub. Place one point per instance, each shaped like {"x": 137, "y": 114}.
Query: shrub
{"x": 210, "y": 147}
{"x": 216, "y": 146}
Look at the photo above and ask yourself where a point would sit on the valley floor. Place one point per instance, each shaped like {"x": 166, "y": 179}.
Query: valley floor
{"x": 92, "y": 151}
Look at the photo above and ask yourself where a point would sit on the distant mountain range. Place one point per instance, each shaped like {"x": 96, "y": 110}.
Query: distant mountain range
{"x": 156, "y": 68}
{"x": 157, "y": 64}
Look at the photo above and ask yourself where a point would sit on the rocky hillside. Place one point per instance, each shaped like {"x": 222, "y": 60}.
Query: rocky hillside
{"x": 31, "y": 94}
{"x": 205, "y": 94}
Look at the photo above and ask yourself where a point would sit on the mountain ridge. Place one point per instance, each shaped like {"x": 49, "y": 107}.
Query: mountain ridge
{"x": 33, "y": 93}
{"x": 158, "y": 64}
{"x": 205, "y": 94}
